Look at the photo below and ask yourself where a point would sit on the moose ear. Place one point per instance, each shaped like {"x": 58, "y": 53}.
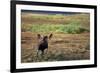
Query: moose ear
{"x": 39, "y": 36}
{"x": 50, "y": 36}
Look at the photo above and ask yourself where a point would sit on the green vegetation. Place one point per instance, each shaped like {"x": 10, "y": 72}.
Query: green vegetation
{"x": 71, "y": 28}
{"x": 62, "y": 46}
{"x": 74, "y": 28}
{"x": 45, "y": 23}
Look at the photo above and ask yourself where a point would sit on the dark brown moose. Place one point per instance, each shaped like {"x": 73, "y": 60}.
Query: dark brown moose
{"x": 43, "y": 43}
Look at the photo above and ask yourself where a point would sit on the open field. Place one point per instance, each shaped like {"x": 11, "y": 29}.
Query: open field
{"x": 70, "y": 41}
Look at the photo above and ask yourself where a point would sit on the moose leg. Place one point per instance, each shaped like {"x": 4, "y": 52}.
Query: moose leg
{"x": 42, "y": 54}
{"x": 46, "y": 50}
{"x": 37, "y": 53}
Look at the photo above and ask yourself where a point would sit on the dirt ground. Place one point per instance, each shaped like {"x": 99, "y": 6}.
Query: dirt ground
{"x": 62, "y": 47}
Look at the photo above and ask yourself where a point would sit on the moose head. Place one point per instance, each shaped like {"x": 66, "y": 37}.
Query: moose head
{"x": 43, "y": 43}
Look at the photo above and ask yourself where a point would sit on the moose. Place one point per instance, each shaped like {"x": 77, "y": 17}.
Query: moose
{"x": 43, "y": 43}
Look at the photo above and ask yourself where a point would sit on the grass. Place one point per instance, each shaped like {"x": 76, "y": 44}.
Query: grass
{"x": 45, "y": 23}
{"x": 72, "y": 28}
{"x": 62, "y": 47}
{"x": 71, "y": 54}
{"x": 82, "y": 19}
{"x": 71, "y": 46}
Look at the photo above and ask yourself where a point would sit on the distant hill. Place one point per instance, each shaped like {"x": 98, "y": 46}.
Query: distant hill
{"x": 50, "y": 12}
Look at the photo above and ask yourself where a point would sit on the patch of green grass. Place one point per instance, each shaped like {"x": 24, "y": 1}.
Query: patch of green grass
{"x": 58, "y": 23}
{"x": 74, "y": 28}
{"x": 71, "y": 28}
